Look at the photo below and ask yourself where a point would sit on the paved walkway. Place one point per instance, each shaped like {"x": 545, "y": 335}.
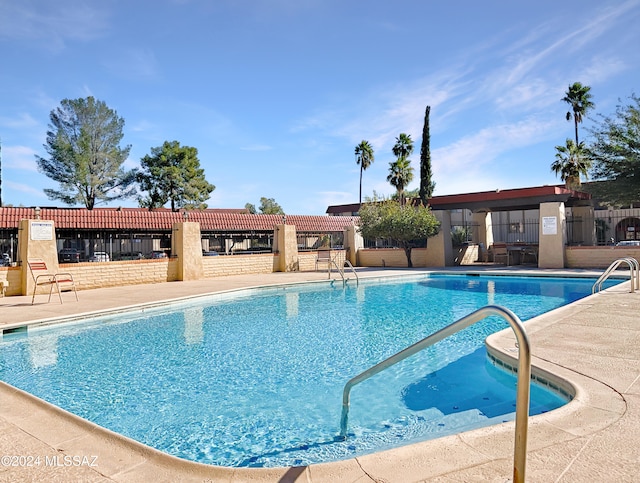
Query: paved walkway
{"x": 592, "y": 346}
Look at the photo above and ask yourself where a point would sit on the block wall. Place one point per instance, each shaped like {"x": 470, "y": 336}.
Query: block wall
{"x": 239, "y": 264}
{"x": 307, "y": 260}
{"x": 391, "y": 257}
{"x": 598, "y": 257}
{"x": 111, "y": 274}
{"x": 14, "y": 276}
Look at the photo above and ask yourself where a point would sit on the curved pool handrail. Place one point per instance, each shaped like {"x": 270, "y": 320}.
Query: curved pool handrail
{"x": 634, "y": 273}
{"x": 524, "y": 376}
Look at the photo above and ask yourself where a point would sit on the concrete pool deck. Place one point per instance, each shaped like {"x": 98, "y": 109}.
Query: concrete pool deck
{"x": 592, "y": 345}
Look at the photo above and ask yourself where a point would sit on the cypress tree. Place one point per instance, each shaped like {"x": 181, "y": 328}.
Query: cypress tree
{"x": 426, "y": 184}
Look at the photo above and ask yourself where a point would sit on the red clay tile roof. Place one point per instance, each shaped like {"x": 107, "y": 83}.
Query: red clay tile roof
{"x": 162, "y": 219}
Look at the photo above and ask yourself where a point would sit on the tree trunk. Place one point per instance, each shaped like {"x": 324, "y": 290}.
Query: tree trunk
{"x": 361, "y": 183}
{"x": 407, "y": 252}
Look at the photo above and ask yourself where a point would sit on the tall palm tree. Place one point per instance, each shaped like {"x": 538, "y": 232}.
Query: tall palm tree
{"x": 570, "y": 163}
{"x": 400, "y": 175}
{"x": 400, "y": 171}
{"x": 403, "y": 146}
{"x": 579, "y": 98}
{"x": 364, "y": 157}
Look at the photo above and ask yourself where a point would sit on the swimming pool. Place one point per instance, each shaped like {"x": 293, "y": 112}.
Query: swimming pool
{"x": 281, "y": 406}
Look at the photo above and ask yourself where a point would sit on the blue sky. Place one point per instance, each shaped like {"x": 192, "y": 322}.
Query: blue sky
{"x": 275, "y": 95}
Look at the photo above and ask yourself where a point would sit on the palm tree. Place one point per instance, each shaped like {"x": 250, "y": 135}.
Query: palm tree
{"x": 579, "y": 98}
{"x": 400, "y": 175}
{"x": 400, "y": 171}
{"x": 364, "y": 157}
{"x": 403, "y": 147}
{"x": 570, "y": 163}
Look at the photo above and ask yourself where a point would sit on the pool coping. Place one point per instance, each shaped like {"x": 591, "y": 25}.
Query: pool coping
{"x": 481, "y": 453}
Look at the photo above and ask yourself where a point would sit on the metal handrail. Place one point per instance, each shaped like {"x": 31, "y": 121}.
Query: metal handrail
{"x": 634, "y": 274}
{"x": 524, "y": 376}
{"x": 333, "y": 262}
{"x": 341, "y": 271}
{"x": 353, "y": 270}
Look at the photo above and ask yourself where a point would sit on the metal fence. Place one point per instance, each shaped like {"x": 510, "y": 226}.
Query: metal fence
{"x": 522, "y": 231}
{"x": 127, "y": 245}
{"x": 8, "y": 246}
{"x": 239, "y": 243}
{"x": 604, "y": 228}
{"x": 310, "y": 241}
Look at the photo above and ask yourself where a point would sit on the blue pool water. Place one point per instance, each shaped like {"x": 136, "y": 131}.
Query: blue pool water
{"x": 255, "y": 378}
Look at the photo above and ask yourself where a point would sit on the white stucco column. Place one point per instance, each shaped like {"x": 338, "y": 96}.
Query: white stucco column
{"x": 287, "y": 247}
{"x": 552, "y": 235}
{"x": 187, "y": 245}
{"x": 353, "y": 243}
{"x": 36, "y": 239}
{"x": 439, "y": 247}
{"x": 485, "y": 233}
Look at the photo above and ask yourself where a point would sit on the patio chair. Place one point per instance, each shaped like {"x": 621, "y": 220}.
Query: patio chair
{"x": 500, "y": 252}
{"x": 324, "y": 256}
{"x": 42, "y": 277}
{"x": 531, "y": 252}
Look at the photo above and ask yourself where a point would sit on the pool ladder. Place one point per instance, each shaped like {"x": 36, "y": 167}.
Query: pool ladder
{"x": 634, "y": 274}
{"x": 522, "y": 390}
{"x": 341, "y": 271}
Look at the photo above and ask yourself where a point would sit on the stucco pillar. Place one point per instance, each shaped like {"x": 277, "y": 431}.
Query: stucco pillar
{"x": 36, "y": 239}
{"x": 287, "y": 246}
{"x": 439, "y": 247}
{"x": 485, "y": 233}
{"x": 552, "y": 235}
{"x": 186, "y": 244}
{"x": 353, "y": 243}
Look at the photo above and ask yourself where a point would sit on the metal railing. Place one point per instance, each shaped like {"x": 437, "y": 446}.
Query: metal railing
{"x": 524, "y": 376}
{"x": 341, "y": 271}
{"x": 634, "y": 274}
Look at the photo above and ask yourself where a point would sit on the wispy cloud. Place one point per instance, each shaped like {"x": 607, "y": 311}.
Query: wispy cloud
{"x": 23, "y": 121}
{"x": 34, "y": 193}
{"x": 134, "y": 64}
{"x": 481, "y": 148}
{"x": 505, "y": 96}
{"x": 19, "y": 158}
{"x": 53, "y": 23}
{"x": 382, "y": 113}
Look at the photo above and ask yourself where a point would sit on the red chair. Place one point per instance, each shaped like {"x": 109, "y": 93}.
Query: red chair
{"x": 42, "y": 277}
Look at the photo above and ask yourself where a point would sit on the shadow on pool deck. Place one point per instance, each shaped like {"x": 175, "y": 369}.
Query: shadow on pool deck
{"x": 592, "y": 344}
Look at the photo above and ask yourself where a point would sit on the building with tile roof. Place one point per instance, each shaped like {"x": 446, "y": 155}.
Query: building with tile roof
{"x": 90, "y": 230}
